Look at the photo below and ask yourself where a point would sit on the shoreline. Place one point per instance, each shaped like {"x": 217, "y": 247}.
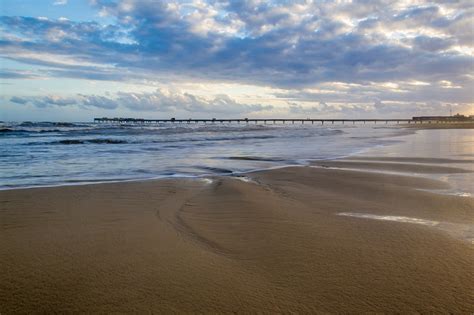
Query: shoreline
{"x": 434, "y": 125}
{"x": 290, "y": 239}
{"x": 403, "y": 166}
{"x": 335, "y": 164}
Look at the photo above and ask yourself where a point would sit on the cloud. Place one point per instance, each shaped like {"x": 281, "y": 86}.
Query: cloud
{"x": 335, "y": 110}
{"x": 432, "y": 43}
{"x": 97, "y": 101}
{"x": 376, "y": 109}
{"x": 46, "y": 101}
{"x": 15, "y": 74}
{"x": 287, "y": 44}
{"x": 398, "y": 91}
{"x": 19, "y": 100}
{"x": 292, "y": 45}
{"x": 172, "y": 101}
{"x": 60, "y": 2}
{"x": 157, "y": 101}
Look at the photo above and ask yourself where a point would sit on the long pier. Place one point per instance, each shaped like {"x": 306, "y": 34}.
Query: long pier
{"x": 259, "y": 120}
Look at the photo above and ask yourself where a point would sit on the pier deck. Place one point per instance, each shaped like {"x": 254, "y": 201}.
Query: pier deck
{"x": 259, "y": 120}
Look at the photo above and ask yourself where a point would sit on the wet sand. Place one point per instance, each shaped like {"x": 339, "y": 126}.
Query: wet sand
{"x": 409, "y": 160}
{"x": 434, "y": 125}
{"x": 287, "y": 240}
{"x": 391, "y": 166}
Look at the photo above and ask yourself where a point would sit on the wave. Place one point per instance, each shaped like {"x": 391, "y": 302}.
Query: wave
{"x": 94, "y": 141}
{"x": 51, "y": 124}
{"x": 164, "y": 141}
{"x": 94, "y": 129}
{"x": 216, "y": 170}
{"x": 199, "y": 132}
{"x": 255, "y": 158}
{"x": 167, "y": 129}
{"x": 25, "y": 131}
{"x": 218, "y": 139}
{"x": 196, "y": 139}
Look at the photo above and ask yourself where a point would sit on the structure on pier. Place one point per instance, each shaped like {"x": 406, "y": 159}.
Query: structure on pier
{"x": 453, "y": 118}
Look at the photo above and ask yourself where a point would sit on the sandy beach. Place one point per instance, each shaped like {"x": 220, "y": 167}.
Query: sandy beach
{"x": 228, "y": 157}
{"x": 295, "y": 239}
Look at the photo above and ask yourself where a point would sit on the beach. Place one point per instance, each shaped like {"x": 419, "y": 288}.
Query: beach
{"x": 236, "y": 157}
{"x": 292, "y": 239}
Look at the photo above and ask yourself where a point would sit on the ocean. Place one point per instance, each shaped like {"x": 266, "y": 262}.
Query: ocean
{"x": 55, "y": 153}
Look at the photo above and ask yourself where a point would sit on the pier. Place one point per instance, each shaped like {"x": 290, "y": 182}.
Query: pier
{"x": 267, "y": 121}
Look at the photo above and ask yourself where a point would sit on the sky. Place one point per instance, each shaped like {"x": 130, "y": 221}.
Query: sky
{"x": 73, "y": 60}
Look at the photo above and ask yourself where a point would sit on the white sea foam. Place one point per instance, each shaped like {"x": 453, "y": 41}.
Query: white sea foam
{"x": 389, "y": 218}
{"x": 244, "y": 179}
{"x": 463, "y": 194}
{"x": 461, "y": 231}
{"x": 206, "y": 181}
{"x": 448, "y": 192}
{"x": 367, "y": 170}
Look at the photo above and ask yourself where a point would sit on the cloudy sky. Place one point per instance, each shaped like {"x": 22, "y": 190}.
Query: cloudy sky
{"x": 78, "y": 59}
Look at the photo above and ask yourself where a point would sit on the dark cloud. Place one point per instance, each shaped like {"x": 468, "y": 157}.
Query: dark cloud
{"x": 14, "y": 74}
{"x": 157, "y": 101}
{"x": 19, "y": 100}
{"x": 173, "y": 101}
{"x": 97, "y": 101}
{"x": 432, "y": 43}
{"x": 46, "y": 101}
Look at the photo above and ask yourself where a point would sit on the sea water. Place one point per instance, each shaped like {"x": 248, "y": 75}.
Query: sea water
{"x": 52, "y": 153}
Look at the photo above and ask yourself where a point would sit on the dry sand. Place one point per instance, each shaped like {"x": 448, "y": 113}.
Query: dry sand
{"x": 272, "y": 244}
